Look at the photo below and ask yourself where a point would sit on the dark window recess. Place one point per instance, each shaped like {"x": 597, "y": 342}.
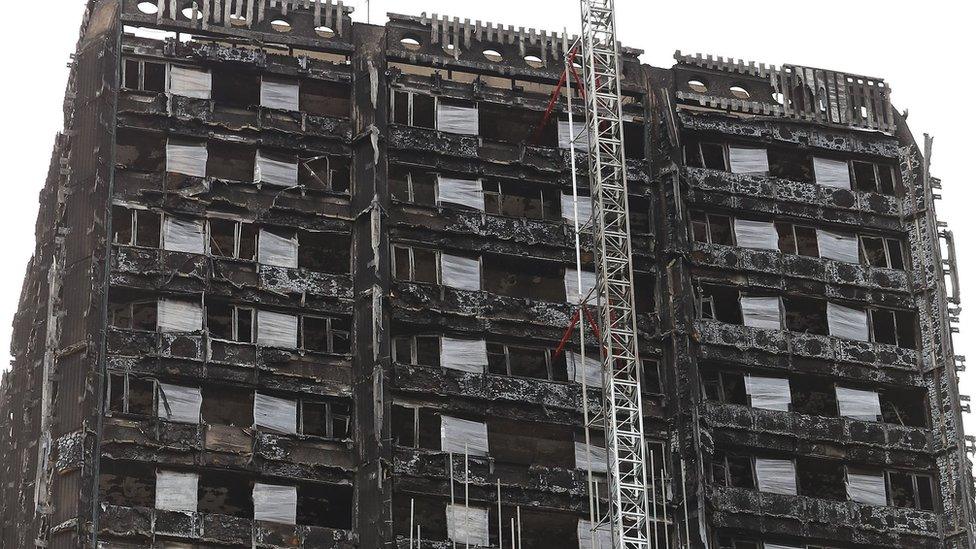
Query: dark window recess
{"x": 324, "y": 98}
{"x": 640, "y": 215}
{"x": 140, "y": 151}
{"x": 532, "y": 362}
{"x": 135, "y": 227}
{"x": 513, "y": 124}
{"x": 227, "y": 405}
{"x": 415, "y": 264}
{"x": 332, "y": 419}
{"x": 133, "y": 316}
{"x": 127, "y": 484}
{"x": 725, "y": 542}
{"x": 416, "y": 427}
{"x": 797, "y": 240}
{"x": 910, "y": 490}
{"x": 790, "y": 164}
{"x": 230, "y": 322}
{"x": 521, "y": 200}
{"x": 883, "y": 252}
{"x": 651, "y": 377}
{"x": 423, "y": 111}
{"x": 893, "y": 327}
{"x": 872, "y": 177}
{"x": 732, "y": 471}
{"x": 426, "y": 511}
{"x": 230, "y": 161}
{"x": 526, "y": 443}
{"x": 720, "y": 303}
{"x": 325, "y": 335}
{"x": 324, "y": 173}
{"x": 726, "y": 387}
{"x": 413, "y": 186}
{"x": 144, "y": 76}
{"x": 645, "y": 292}
{"x": 540, "y": 529}
{"x": 420, "y": 350}
{"x": 716, "y": 229}
{"x": 131, "y": 395}
{"x": 237, "y": 89}
{"x": 324, "y": 252}
{"x": 634, "y": 140}
{"x": 814, "y": 396}
{"x": 904, "y": 407}
{"x": 804, "y": 314}
{"x": 232, "y": 239}
{"x": 225, "y": 494}
{"x": 820, "y": 479}
{"x": 401, "y": 107}
{"x": 524, "y": 277}
{"x": 326, "y": 506}
{"x": 700, "y": 154}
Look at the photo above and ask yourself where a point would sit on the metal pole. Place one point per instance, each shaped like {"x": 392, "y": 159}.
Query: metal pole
{"x": 467, "y": 512}
{"x": 664, "y": 510}
{"x": 411, "y": 523}
{"x": 684, "y": 500}
{"x": 518, "y": 515}
{"x": 501, "y": 534}
{"x": 450, "y": 456}
{"x": 653, "y": 498}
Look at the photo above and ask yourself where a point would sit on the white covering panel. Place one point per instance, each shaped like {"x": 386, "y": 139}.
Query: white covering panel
{"x": 467, "y": 526}
{"x": 280, "y": 173}
{"x": 748, "y": 160}
{"x": 186, "y": 158}
{"x": 776, "y": 476}
{"x": 456, "y": 434}
{"x": 585, "y": 204}
{"x": 454, "y": 119}
{"x": 779, "y": 546}
{"x": 275, "y": 503}
{"x": 602, "y": 536}
{"x": 598, "y": 457}
{"x": 857, "y": 404}
{"x": 190, "y": 82}
{"x": 277, "y": 250}
{"x": 760, "y": 235}
{"x": 463, "y": 192}
{"x": 769, "y": 393}
{"x": 277, "y": 330}
{"x": 869, "y": 489}
{"x": 463, "y": 273}
{"x": 846, "y": 322}
{"x": 572, "y": 290}
{"x": 592, "y": 368}
{"x": 841, "y": 247}
{"x": 184, "y": 235}
{"x": 179, "y": 316}
{"x": 832, "y": 173}
{"x": 279, "y": 94}
{"x": 278, "y": 414}
{"x": 176, "y": 491}
{"x": 466, "y": 355}
{"x": 179, "y": 404}
{"x": 761, "y": 312}
{"x": 565, "y": 138}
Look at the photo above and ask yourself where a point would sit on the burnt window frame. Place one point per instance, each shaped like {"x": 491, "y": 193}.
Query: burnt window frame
{"x": 412, "y": 191}
{"x": 411, "y": 112}
{"x": 411, "y": 250}
{"x": 722, "y": 463}
{"x": 898, "y": 335}
{"x": 796, "y": 240}
{"x": 545, "y": 206}
{"x": 887, "y": 243}
{"x": 506, "y": 351}
{"x": 412, "y": 341}
{"x": 141, "y": 84}
{"x": 135, "y": 214}
{"x": 343, "y": 164}
{"x": 701, "y": 164}
{"x": 153, "y": 387}
{"x": 330, "y": 334}
{"x": 113, "y": 307}
{"x": 916, "y": 493}
{"x": 419, "y": 412}
{"x": 238, "y": 239}
{"x": 708, "y": 221}
{"x": 330, "y": 417}
{"x": 877, "y": 168}
{"x": 235, "y": 323}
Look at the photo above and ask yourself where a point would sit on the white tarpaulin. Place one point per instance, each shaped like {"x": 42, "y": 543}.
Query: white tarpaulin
{"x": 584, "y": 204}
{"x": 598, "y": 457}
{"x": 580, "y": 144}
{"x": 463, "y": 192}
{"x": 869, "y": 489}
{"x": 746, "y": 160}
{"x": 832, "y": 173}
{"x": 467, "y": 526}
{"x": 279, "y": 94}
{"x": 186, "y": 158}
{"x": 190, "y": 82}
{"x": 275, "y": 503}
{"x": 466, "y": 355}
{"x": 277, "y": 330}
{"x": 281, "y": 251}
{"x": 458, "y": 434}
{"x": 275, "y": 171}
{"x": 769, "y": 393}
{"x": 759, "y": 235}
{"x": 840, "y": 247}
{"x": 857, "y": 404}
{"x": 176, "y": 491}
{"x": 184, "y": 235}
{"x": 779, "y": 546}
{"x": 463, "y": 273}
{"x": 179, "y": 404}
{"x": 761, "y": 312}
{"x": 846, "y": 322}
{"x": 572, "y": 289}
{"x": 179, "y": 316}
{"x": 587, "y": 535}
{"x": 278, "y": 414}
{"x": 455, "y": 119}
{"x": 592, "y": 368}
{"x": 776, "y": 476}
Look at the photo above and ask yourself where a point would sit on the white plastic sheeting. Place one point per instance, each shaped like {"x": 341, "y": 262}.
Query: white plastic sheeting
{"x": 587, "y": 535}
{"x": 748, "y": 160}
{"x": 179, "y": 404}
{"x": 466, "y": 355}
{"x": 189, "y": 82}
{"x": 760, "y": 235}
{"x": 592, "y": 368}
{"x": 776, "y": 476}
{"x": 278, "y": 414}
{"x": 832, "y": 173}
{"x": 463, "y": 273}
{"x": 847, "y": 322}
{"x": 598, "y": 457}
{"x": 277, "y": 330}
{"x": 279, "y": 94}
{"x": 837, "y": 246}
{"x": 565, "y": 138}
{"x": 178, "y": 316}
{"x": 858, "y": 404}
{"x": 468, "y": 526}
{"x": 779, "y": 546}
{"x": 458, "y": 434}
{"x": 186, "y": 158}
{"x": 281, "y": 251}
{"x": 463, "y": 192}
{"x": 867, "y": 488}
{"x": 456, "y": 119}
{"x": 761, "y": 312}
{"x": 271, "y": 171}
{"x": 769, "y": 393}
{"x": 184, "y": 235}
{"x": 585, "y": 206}
{"x": 275, "y": 503}
{"x": 176, "y": 491}
{"x": 572, "y": 290}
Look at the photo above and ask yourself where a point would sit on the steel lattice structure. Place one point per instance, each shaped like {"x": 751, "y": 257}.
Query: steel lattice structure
{"x": 615, "y": 279}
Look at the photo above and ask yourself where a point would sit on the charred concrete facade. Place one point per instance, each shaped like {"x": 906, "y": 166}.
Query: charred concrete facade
{"x": 291, "y": 268}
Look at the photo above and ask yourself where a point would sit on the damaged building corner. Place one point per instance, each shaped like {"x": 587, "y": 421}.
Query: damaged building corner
{"x": 305, "y": 282}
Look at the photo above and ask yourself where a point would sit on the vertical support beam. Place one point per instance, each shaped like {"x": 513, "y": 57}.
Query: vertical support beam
{"x": 371, "y": 263}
